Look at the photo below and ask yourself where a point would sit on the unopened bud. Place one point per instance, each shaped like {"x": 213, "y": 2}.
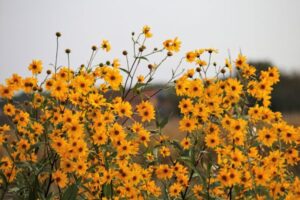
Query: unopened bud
{"x": 68, "y": 51}
{"x": 58, "y": 34}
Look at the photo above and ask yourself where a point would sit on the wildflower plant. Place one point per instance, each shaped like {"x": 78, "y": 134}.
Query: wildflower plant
{"x": 94, "y": 133}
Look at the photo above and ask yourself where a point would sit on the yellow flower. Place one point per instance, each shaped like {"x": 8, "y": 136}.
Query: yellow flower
{"x": 6, "y": 92}
{"x": 82, "y": 84}
{"x": 211, "y": 50}
{"x": 248, "y": 71}
{"x": 36, "y": 66}
{"x": 100, "y": 137}
{"x": 165, "y": 151}
{"x": 168, "y": 45}
{"x": 141, "y": 79}
{"x": 172, "y": 45}
{"x": 234, "y": 176}
{"x": 22, "y": 118}
{"x": 107, "y": 176}
{"x": 176, "y": 44}
{"x": 240, "y": 62}
{"x": 123, "y": 109}
{"x": 198, "y": 191}
{"x": 187, "y": 124}
{"x": 9, "y": 109}
{"x": 114, "y": 78}
{"x": 237, "y": 157}
{"x": 181, "y": 86}
{"x": 190, "y": 56}
{"x": 116, "y": 63}
{"x": 272, "y": 75}
{"x": 212, "y": 140}
{"x": 146, "y": 111}
{"x": 201, "y": 63}
{"x": 164, "y": 172}
{"x": 150, "y": 157}
{"x": 175, "y": 190}
{"x": 59, "y": 90}
{"x": 266, "y": 136}
{"x": 60, "y": 178}
{"x": 185, "y": 143}
{"x": 233, "y": 87}
{"x": 15, "y": 81}
{"x": 262, "y": 176}
{"x": 186, "y": 106}
{"x": 106, "y": 45}
{"x": 81, "y": 167}
{"x": 223, "y": 177}
{"x": 195, "y": 88}
{"x": 37, "y": 128}
{"x": 23, "y": 145}
{"x": 67, "y": 166}
{"x": 147, "y": 31}
{"x": 144, "y": 136}
{"x": 228, "y": 64}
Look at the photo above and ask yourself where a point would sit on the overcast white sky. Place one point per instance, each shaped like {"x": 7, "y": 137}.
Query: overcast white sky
{"x": 263, "y": 29}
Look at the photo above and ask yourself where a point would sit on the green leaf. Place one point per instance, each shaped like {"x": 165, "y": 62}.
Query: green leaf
{"x": 177, "y": 145}
{"x": 164, "y": 122}
{"x": 124, "y": 70}
{"x": 3, "y": 177}
{"x": 70, "y": 193}
{"x": 189, "y": 163}
{"x": 143, "y": 58}
{"x": 107, "y": 190}
{"x": 34, "y": 191}
{"x": 36, "y": 145}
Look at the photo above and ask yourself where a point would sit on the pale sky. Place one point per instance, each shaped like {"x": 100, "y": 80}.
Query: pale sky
{"x": 263, "y": 29}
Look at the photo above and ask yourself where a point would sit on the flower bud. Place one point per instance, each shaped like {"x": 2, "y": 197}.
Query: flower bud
{"x": 170, "y": 53}
{"x": 68, "y": 51}
{"x": 94, "y": 48}
{"x": 150, "y": 66}
{"x": 58, "y": 34}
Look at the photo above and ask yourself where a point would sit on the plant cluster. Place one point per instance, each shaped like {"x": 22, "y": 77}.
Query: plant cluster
{"x": 94, "y": 133}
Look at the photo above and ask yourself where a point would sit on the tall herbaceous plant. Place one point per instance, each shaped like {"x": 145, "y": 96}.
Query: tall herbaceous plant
{"x": 93, "y": 132}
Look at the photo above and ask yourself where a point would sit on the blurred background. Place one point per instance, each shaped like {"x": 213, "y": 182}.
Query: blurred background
{"x": 266, "y": 31}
